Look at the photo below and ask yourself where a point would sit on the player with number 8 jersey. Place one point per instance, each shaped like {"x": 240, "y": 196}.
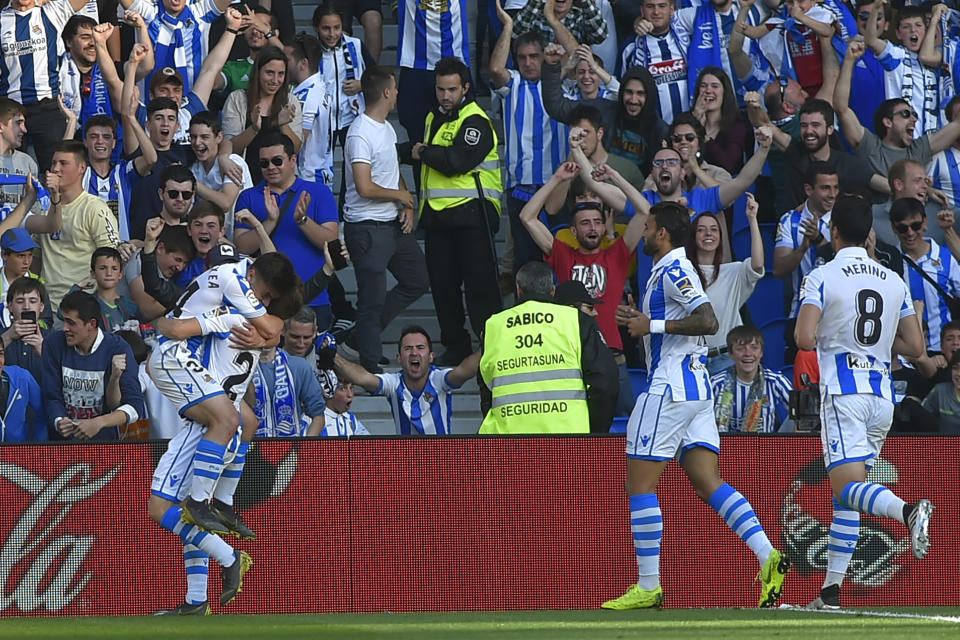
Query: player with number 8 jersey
{"x": 858, "y": 315}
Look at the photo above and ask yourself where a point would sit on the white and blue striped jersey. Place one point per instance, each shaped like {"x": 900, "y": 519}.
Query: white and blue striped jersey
{"x": 178, "y": 41}
{"x": 430, "y": 30}
{"x": 342, "y": 424}
{"x": 31, "y": 47}
{"x": 944, "y": 168}
{"x": 675, "y": 363}
{"x": 316, "y": 156}
{"x": 861, "y": 304}
{"x": 665, "y": 57}
{"x": 776, "y": 401}
{"x": 232, "y": 368}
{"x": 339, "y": 64}
{"x": 942, "y": 267}
{"x": 905, "y": 76}
{"x": 424, "y": 412}
{"x": 536, "y": 143}
{"x": 114, "y": 189}
{"x": 789, "y": 236}
{"x": 225, "y": 284}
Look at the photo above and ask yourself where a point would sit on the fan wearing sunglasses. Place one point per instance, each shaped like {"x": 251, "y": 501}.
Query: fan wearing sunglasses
{"x": 177, "y": 188}
{"x": 909, "y": 221}
{"x": 687, "y": 137}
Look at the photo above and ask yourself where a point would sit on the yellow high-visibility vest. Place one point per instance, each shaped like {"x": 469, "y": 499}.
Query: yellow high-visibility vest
{"x": 531, "y": 362}
{"x": 443, "y": 192}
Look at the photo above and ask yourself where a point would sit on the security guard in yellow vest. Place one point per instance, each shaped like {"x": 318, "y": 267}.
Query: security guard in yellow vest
{"x": 460, "y": 147}
{"x": 545, "y": 367}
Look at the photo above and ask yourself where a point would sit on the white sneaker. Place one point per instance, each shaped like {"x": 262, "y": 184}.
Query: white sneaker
{"x": 919, "y": 521}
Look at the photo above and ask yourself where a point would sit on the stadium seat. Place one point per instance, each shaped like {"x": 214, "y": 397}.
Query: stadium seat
{"x": 774, "y": 343}
{"x": 766, "y": 301}
{"x": 638, "y": 379}
{"x": 787, "y": 372}
{"x": 742, "y": 244}
{"x": 619, "y": 425}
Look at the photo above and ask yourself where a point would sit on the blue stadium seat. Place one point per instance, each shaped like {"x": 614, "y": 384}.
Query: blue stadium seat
{"x": 774, "y": 343}
{"x": 638, "y": 380}
{"x": 766, "y": 301}
{"x": 619, "y": 425}
{"x": 741, "y": 244}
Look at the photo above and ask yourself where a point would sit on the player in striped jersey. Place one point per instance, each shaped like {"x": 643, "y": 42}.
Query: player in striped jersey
{"x": 659, "y": 48}
{"x": 857, "y": 314}
{"x": 29, "y": 67}
{"x": 419, "y": 394}
{"x": 675, "y": 415}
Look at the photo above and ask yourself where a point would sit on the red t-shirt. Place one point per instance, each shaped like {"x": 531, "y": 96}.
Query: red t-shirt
{"x": 604, "y": 274}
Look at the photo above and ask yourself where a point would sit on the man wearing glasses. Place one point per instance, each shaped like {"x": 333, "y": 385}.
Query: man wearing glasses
{"x": 299, "y": 215}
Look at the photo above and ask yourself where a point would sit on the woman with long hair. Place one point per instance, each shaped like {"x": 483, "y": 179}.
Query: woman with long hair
{"x": 715, "y": 106}
{"x": 265, "y": 104}
{"x": 728, "y": 285}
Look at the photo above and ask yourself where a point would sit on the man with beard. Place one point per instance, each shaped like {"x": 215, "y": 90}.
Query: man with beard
{"x": 419, "y": 394}
{"x": 638, "y": 128}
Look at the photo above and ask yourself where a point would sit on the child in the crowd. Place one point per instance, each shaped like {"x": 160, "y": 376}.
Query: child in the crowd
{"x": 106, "y": 273}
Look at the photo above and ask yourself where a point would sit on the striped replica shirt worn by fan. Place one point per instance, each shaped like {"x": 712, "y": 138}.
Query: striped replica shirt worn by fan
{"x": 942, "y": 268}
{"x": 536, "y": 143}
{"x": 945, "y": 171}
{"x": 179, "y": 41}
{"x": 430, "y": 30}
{"x": 861, "y": 304}
{"x": 31, "y": 48}
{"x": 675, "y": 363}
{"x": 114, "y": 189}
{"x": 665, "y": 57}
{"x": 426, "y": 412}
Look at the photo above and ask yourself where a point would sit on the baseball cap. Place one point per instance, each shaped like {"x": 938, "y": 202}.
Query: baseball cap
{"x": 221, "y": 254}
{"x": 17, "y": 240}
{"x": 167, "y": 75}
{"x": 572, "y": 293}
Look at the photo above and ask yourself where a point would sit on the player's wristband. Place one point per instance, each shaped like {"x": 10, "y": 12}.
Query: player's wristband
{"x": 658, "y": 326}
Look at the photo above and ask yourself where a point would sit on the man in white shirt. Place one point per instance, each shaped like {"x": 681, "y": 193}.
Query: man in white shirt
{"x": 379, "y": 217}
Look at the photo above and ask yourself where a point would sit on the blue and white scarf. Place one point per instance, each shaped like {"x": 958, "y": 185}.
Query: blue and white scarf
{"x": 278, "y": 412}
{"x": 43, "y": 196}
{"x": 705, "y": 45}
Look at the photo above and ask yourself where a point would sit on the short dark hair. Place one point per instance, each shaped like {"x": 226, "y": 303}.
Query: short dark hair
{"x": 24, "y": 285}
{"x": 72, "y": 146}
{"x": 852, "y": 219}
{"x": 105, "y": 252}
{"x": 328, "y": 8}
{"x": 9, "y": 108}
{"x": 176, "y": 239}
{"x": 203, "y": 209}
{"x": 691, "y": 121}
{"x": 675, "y": 218}
{"x": 100, "y": 120}
{"x": 176, "y": 173}
{"x": 953, "y": 325}
{"x": 908, "y": 12}
{"x": 903, "y": 208}
{"x": 817, "y": 105}
{"x": 306, "y": 315}
{"x": 305, "y": 46}
{"x": 885, "y": 111}
{"x": 83, "y": 303}
{"x": 414, "y": 328}
{"x": 137, "y": 345}
{"x": 528, "y": 38}
{"x": 818, "y": 168}
{"x": 208, "y": 118}
{"x": 276, "y": 138}
{"x": 744, "y": 334}
{"x": 74, "y": 24}
{"x": 161, "y": 104}
{"x": 586, "y": 112}
{"x": 277, "y": 271}
{"x": 375, "y": 80}
{"x": 452, "y": 65}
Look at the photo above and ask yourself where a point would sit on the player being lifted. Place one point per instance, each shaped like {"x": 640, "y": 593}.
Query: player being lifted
{"x": 858, "y": 315}
{"x": 208, "y": 400}
{"x": 675, "y": 415}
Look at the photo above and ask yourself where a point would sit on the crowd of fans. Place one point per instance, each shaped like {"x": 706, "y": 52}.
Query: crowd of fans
{"x": 137, "y": 136}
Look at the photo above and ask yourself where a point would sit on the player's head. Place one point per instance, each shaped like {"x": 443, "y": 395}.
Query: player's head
{"x": 895, "y": 121}
{"x": 909, "y": 221}
{"x": 850, "y": 222}
{"x": 535, "y": 281}
{"x": 745, "y": 346}
{"x": 25, "y": 294}
{"x": 950, "y": 339}
{"x": 587, "y": 225}
{"x": 667, "y": 227}
{"x": 822, "y": 186}
{"x": 205, "y": 135}
{"x": 342, "y": 398}
{"x": 589, "y": 119}
{"x": 415, "y": 352}
{"x": 205, "y": 226}
{"x": 275, "y": 282}
{"x": 13, "y": 123}
{"x": 908, "y": 179}
{"x": 78, "y": 37}
{"x": 174, "y": 250}
{"x": 278, "y": 159}
{"x": 451, "y": 82}
{"x": 300, "y": 331}
{"x": 100, "y": 137}
{"x": 167, "y": 83}
{"x": 163, "y": 122}
{"x": 17, "y": 249}
{"x": 177, "y": 189}
{"x": 528, "y": 54}
{"x": 328, "y": 23}
{"x": 80, "y": 312}
{"x": 911, "y": 27}
{"x": 379, "y": 86}
{"x": 816, "y": 124}
{"x": 106, "y": 267}
{"x": 668, "y": 170}
{"x": 69, "y": 162}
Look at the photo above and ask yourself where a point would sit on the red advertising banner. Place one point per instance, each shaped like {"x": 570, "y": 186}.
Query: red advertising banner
{"x": 456, "y": 524}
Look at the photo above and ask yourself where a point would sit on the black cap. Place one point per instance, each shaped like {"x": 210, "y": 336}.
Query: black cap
{"x": 572, "y": 293}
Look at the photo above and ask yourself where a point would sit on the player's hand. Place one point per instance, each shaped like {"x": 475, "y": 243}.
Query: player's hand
{"x": 752, "y": 207}
{"x": 118, "y": 364}
{"x": 639, "y": 325}
{"x": 29, "y": 191}
{"x": 407, "y": 218}
{"x": 567, "y": 171}
{"x": 796, "y": 11}
{"x": 939, "y": 361}
{"x": 642, "y": 27}
{"x": 626, "y": 312}
{"x": 352, "y": 87}
{"x": 246, "y": 337}
{"x": 918, "y": 307}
